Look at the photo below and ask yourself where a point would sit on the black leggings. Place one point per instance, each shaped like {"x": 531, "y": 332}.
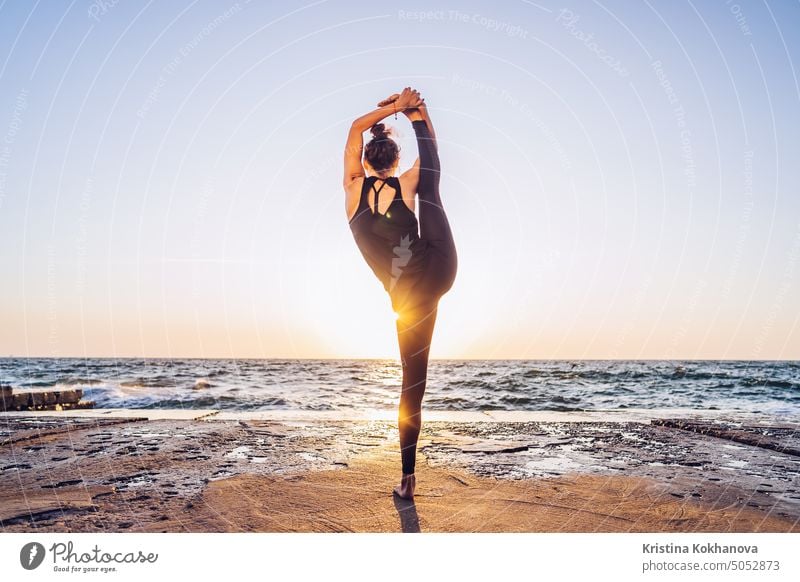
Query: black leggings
{"x": 416, "y": 319}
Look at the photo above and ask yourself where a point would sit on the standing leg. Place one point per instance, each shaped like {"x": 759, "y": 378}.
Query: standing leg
{"x": 414, "y": 332}
{"x": 417, "y": 317}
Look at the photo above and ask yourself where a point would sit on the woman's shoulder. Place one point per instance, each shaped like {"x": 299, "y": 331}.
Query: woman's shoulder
{"x": 357, "y": 184}
{"x": 409, "y": 179}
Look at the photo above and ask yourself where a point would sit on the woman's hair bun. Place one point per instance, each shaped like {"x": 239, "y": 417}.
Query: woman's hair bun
{"x": 379, "y": 131}
{"x": 382, "y": 152}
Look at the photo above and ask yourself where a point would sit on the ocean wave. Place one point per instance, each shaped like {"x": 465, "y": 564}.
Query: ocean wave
{"x": 82, "y": 381}
{"x": 452, "y": 384}
{"x": 35, "y": 384}
{"x": 73, "y": 385}
{"x": 769, "y": 383}
{"x": 157, "y": 382}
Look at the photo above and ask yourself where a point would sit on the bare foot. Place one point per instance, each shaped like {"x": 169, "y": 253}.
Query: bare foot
{"x": 406, "y": 487}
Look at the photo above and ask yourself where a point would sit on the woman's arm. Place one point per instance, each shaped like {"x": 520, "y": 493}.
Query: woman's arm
{"x": 353, "y": 169}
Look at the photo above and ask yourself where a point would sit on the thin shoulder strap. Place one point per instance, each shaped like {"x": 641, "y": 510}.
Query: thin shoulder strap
{"x": 378, "y": 191}
{"x": 375, "y": 196}
{"x": 362, "y": 199}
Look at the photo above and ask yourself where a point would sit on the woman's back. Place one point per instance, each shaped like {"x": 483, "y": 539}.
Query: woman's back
{"x": 389, "y": 241}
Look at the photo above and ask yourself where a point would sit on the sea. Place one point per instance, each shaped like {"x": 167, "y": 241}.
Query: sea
{"x": 771, "y": 387}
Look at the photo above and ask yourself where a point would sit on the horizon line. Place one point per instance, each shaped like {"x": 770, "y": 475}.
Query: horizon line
{"x": 12, "y": 356}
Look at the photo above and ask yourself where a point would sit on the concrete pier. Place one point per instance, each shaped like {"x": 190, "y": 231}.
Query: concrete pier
{"x": 219, "y": 471}
{"x": 42, "y": 399}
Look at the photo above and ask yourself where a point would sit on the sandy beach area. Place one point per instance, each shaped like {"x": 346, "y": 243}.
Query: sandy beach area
{"x": 203, "y": 471}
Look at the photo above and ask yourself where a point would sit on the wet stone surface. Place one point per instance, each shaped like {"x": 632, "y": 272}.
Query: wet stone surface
{"x": 62, "y": 470}
{"x": 783, "y": 439}
{"x": 17, "y": 429}
{"x": 691, "y": 461}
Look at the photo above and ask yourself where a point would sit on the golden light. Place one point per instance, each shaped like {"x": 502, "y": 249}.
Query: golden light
{"x": 362, "y": 325}
{"x": 374, "y": 414}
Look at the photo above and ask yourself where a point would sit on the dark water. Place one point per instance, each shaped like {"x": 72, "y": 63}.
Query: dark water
{"x": 772, "y": 386}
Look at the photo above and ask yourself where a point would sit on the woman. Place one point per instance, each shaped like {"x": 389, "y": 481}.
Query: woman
{"x": 414, "y": 259}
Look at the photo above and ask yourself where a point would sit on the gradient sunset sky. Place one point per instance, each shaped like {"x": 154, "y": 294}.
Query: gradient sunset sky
{"x": 621, "y": 178}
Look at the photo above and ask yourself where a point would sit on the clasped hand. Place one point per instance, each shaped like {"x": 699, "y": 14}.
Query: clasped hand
{"x": 408, "y": 99}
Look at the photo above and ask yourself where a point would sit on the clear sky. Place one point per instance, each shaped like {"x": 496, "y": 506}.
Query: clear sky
{"x": 621, "y": 177}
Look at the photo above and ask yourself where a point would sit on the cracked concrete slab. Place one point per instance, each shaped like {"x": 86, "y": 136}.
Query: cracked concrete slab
{"x": 75, "y": 473}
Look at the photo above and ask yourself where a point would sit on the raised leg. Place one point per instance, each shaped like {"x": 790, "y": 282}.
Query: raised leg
{"x": 433, "y": 223}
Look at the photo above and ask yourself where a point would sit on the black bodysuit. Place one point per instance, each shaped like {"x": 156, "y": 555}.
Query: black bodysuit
{"x": 416, "y": 262}
{"x": 390, "y": 242}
